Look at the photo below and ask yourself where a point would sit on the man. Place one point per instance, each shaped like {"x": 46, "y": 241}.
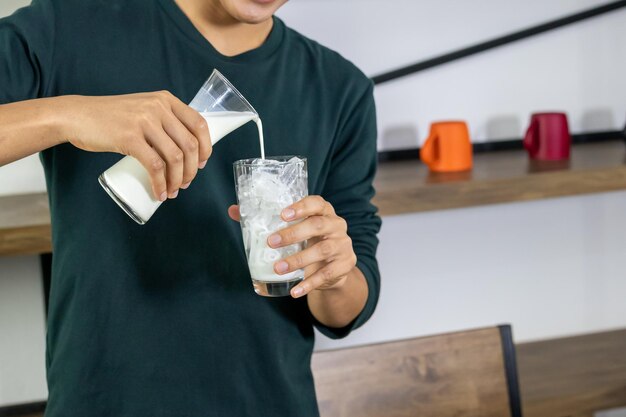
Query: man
{"x": 161, "y": 320}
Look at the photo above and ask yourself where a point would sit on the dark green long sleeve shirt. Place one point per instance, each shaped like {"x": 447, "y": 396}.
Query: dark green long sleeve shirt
{"x": 161, "y": 320}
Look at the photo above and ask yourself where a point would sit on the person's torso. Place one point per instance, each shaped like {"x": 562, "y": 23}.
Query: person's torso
{"x": 161, "y": 319}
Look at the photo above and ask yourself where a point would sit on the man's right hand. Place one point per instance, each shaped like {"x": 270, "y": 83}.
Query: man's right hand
{"x": 170, "y": 139}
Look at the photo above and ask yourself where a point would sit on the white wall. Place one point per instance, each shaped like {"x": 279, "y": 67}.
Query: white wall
{"x": 550, "y": 268}
{"x": 22, "y": 331}
{"x": 8, "y": 6}
{"x": 22, "y": 177}
{"x": 571, "y": 277}
{"x": 578, "y": 69}
{"x": 617, "y": 412}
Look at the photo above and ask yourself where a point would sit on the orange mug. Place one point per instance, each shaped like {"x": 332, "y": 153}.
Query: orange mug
{"x": 448, "y": 148}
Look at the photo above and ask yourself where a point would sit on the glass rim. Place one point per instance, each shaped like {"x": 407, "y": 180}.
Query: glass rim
{"x": 281, "y": 159}
{"x": 234, "y": 90}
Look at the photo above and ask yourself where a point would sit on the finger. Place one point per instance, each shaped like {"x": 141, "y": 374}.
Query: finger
{"x": 197, "y": 125}
{"x": 325, "y": 277}
{"x": 311, "y": 227}
{"x": 233, "y": 212}
{"x": 308, "y": 206}
{"x": 173, "y": 157}
{"x": 185, "y": 142}
{"x": 154, "y": 165}
{"x": 325, "y": 250}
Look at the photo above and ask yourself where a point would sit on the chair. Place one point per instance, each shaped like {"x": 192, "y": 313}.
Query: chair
{"x": 463, "y": 374}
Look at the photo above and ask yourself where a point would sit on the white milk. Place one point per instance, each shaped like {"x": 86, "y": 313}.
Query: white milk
{"x": 221, "y": 123}
{"x": 264, "y": 189}
{"x": 128, "y": 183}
{"x": 259, "y": 125}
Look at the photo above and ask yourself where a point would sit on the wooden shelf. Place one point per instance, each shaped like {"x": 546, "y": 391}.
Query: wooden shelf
{"x": 25, "y": 224}
{"x": 500, "y": 177}
{"x": 402, "y": 187}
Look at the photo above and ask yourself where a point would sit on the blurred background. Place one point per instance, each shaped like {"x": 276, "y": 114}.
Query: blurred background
{"x": 552, "y": 267}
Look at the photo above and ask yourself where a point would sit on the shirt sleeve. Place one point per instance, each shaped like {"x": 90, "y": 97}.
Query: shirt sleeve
{"x": 349, "y": 189}
{"x": 26, "y": 50}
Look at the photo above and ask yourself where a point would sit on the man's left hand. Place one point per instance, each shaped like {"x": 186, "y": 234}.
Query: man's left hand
{"x": 329, "y": 255}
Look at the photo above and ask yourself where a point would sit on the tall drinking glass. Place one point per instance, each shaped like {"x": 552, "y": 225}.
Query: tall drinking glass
{"x": 264, "y": 188}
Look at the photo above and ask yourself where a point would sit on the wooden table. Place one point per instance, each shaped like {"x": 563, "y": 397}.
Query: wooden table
{"x": 573, "y": 376}
{"x": 402, "y": 187}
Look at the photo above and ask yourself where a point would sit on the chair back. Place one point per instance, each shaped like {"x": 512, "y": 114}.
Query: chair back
{"x": 463, "y": 374}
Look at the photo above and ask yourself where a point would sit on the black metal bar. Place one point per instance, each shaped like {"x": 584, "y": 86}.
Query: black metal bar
{"x": 45, "y": 260}
{"x": 503, "y": 145}
{"x": 510, "y": 369}
{"x": 503, "y": 40}
{"x": 22, "y": 409}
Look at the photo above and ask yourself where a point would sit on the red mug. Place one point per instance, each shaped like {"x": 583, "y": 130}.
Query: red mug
{"x": 547, "y": 137}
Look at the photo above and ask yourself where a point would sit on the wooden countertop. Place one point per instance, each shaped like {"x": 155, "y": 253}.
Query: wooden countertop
{"x": 573, "y": 376}
{"x": 402, "y": 187}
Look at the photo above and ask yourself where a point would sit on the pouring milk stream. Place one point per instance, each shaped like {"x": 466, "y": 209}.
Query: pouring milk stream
{"x": 266, "y": 187}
